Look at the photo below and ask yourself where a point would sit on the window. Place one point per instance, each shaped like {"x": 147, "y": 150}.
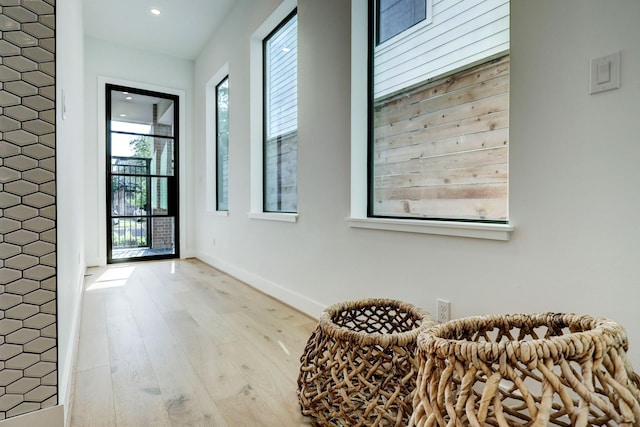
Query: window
{"x": 280, "y": 120}
{"x": 273, "y": 116}
{"x": 222, "y": 145}
{"x": 217, "y": 142}
{"x": 439, "y": 112}
{"x": 395, "y": 16}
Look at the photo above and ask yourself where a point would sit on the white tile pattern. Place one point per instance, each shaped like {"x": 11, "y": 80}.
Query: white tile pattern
{"x": 28, "y": 361}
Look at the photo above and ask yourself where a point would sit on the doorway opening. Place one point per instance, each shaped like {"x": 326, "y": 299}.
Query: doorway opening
{"x": 142, "y": 174}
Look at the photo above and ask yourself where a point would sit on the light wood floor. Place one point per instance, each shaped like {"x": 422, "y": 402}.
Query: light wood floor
{"x": 178, "y": 343}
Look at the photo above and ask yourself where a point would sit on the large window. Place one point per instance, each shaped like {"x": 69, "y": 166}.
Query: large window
{"x": 280, "y": 122}
{"x": 222, "y": 145}
{"x": 439, "y": 111}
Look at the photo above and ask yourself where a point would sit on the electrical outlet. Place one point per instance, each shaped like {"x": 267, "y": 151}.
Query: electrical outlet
{"x": 444, "y": 310}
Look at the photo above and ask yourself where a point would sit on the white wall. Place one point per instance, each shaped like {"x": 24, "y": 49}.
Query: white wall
{"x": 574, "y": 181}
{"x": 70, "y": 188}
{"x": 144, "y": 70}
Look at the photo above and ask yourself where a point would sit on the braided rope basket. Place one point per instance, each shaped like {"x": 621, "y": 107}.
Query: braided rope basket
{"x": 526, "y": 370}
{"x": 359, "y": 366}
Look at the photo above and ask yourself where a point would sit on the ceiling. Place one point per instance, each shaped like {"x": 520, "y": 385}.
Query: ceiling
{"x": 181, "y": 30}
{"x": 136, "y": 108}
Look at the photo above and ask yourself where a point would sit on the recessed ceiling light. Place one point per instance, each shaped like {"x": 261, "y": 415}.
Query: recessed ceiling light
{"x": 125, "y": 93}
{"x": 123, "y": 115}
{"x": 155, "y": 11}
{"x": 129, "y": 98}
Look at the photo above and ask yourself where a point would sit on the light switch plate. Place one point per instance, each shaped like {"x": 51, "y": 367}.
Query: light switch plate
{"x": 605, "y": 73}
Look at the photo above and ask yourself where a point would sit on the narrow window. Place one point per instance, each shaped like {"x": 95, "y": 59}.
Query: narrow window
{"x": 280, "y": 133}
{"x": 439, "y": 111}
{"x": 222, "y": 145}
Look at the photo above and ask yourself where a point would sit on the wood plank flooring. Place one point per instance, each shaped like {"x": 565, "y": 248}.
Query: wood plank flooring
{"x": 178, "y": 343}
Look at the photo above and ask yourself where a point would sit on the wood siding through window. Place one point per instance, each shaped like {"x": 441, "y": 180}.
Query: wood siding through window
{"x": 440, "y": 150}
{"x": 281, "y": 173}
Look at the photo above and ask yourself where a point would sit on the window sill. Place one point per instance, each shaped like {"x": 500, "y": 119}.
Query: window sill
{"x": 444, "y": 228}
{"x": 219, "y": 213}
{"x": 274, "y": 216}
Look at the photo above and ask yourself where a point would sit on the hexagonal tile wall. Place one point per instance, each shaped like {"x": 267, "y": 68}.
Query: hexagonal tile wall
{"x": 28, "y": 345}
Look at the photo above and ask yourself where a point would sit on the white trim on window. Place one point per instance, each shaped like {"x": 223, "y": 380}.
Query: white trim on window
{"x": 210, "y": 139}
{"x": 447, "y": 228}
{"x": 256, "y": 120}
{"x": 359, "y": 182}
{"x": 274, "y": 216}
{"x": 359, "y": 100}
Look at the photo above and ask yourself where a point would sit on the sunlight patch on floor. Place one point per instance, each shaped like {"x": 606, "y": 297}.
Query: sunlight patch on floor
{"x": 112, "y": 278}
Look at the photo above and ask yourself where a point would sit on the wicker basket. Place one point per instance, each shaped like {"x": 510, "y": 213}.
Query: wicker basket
{"x": 359, "y": 366}
{"x": 526, "y": 370}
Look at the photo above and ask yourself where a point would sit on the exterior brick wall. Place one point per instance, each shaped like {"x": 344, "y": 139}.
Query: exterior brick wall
{"x": 163, "y": 231}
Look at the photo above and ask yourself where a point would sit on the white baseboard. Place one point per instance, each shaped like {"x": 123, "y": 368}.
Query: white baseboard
{"x": 66, "y": 377}
{"x": 294, "y": 299}
{"x": 49, "y": 417}
{"x": 95, "y": 262}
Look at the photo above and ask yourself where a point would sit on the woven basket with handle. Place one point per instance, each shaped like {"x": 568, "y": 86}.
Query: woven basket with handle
{"x": 359, "y": 366}
{"x": 526, "y": 370}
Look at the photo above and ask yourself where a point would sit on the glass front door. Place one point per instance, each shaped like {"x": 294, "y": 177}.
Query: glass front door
{"x": 142, "y": 175}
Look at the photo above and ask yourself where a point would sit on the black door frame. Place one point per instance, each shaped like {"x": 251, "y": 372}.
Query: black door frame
{"x": 173, "y": 187}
